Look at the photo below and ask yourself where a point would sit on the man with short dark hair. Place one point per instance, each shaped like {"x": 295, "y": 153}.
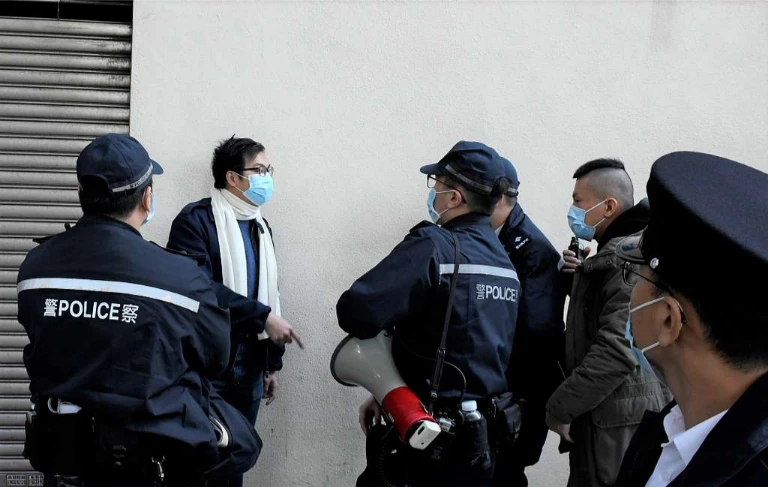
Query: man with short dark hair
{"x": 702, "y": 326}
{"x": 124, "y": 338}
{"x": 598, "y": 406}
{"x": 407, "y": 293}
{"x": 534, "y": 372}
{"x": 236, "y": 241}
{"x": 237, "y": 155}
{"x": 607, "y": 177}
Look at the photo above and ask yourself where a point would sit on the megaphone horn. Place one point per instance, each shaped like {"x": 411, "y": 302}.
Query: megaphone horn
{"x": 369, "y": 364}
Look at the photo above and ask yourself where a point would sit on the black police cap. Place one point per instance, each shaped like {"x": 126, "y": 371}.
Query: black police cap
{"x": 118, "y": 161}
{"x": 475, "y": 165}
{"x": 511, "y": 174}
{"x": 708, "y": 225}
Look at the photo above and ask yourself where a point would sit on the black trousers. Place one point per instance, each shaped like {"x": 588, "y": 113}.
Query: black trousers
{"x": 511, "y": 464}
{"x": 509, "y": 471}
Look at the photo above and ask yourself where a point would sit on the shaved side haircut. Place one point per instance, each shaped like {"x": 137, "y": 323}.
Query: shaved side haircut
{"x": 608, "y": 178}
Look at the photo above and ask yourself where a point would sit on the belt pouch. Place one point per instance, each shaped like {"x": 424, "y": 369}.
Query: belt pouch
{"x": 38, "y": 443}
{"x": 116, "y": 449}
{"x": 69, "y": 433}
{"x": 509, "y": 411}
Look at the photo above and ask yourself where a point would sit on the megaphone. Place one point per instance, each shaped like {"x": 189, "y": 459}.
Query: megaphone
{"x": 369, "y": 364}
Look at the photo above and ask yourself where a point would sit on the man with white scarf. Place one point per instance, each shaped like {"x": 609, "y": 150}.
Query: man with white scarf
{"x": 230, "y": 232}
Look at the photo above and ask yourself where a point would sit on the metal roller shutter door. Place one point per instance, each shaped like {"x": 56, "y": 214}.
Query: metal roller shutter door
{"x": 61, "y": 84}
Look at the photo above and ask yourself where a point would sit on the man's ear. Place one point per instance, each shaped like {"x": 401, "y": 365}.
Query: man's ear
{"x": 672, "y": 321}
{"x": 611, "y": 207}
{"x": 456, "y": 199}
{"x": 146, "y": 200}
{"x": 232, "y": 178}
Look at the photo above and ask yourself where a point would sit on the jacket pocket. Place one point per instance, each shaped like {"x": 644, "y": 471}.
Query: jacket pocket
{"x": 626, "y": 405}
{"x": 616, "y": 419}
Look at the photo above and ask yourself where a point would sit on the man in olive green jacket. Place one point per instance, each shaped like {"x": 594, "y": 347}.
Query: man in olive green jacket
{"x": 598, "y": 406}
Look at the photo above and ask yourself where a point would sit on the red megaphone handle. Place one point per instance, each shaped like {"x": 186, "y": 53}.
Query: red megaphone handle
{"x": 406, "y": 410}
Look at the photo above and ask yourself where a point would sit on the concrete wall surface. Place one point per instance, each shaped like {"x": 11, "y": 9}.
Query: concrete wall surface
{"x": 350, "y": 98}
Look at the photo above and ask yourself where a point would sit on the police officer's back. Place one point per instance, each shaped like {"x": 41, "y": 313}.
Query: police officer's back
{"x": 124, "y": 336}
{"x": 534, "y": 372}
{"x": 408, "y": 292}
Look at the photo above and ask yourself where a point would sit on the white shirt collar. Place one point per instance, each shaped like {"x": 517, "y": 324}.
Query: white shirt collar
{"x": 498, "y": 230}
{"x": 688, "y": 441}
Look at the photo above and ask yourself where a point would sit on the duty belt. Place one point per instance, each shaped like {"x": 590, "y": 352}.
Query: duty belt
{"x": 64, "y": 440}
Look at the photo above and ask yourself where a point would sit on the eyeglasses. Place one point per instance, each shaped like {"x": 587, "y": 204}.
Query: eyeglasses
{"x": 432, "y": 181}
{"x": 261, "y": 170}
{"x": 626, "y": 276}
{"x": 627, "y": 272}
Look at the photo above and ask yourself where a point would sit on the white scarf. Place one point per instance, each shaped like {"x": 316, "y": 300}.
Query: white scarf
{"x": 227, "y": 210}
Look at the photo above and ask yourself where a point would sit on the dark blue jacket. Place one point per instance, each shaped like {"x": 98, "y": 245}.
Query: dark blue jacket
{"x": 130, "y": 332}
{"x": 734, "y": 453}
{"x": 539, "y": 341}
{"x": 540, "y": 326}
{"x": 536, "y": 260}
{"x": 408, "y": 292}
{"x": 194, "y": 231}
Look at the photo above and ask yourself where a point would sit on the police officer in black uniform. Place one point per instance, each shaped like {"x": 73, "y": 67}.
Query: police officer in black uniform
{"x": 407, "y": 293}
{"x": 534, "y": 372}
{"x": 124, "y": 338}
{"x": 698, "y": 318}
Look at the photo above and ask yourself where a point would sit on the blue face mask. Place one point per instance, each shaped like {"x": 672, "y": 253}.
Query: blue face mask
{"x": 433, "y": 214}
{"x": 151, "y": 208}
{"x": 260, "y": 188}
{"x": 577, "y": 222}
{"x": 639, "y": 353}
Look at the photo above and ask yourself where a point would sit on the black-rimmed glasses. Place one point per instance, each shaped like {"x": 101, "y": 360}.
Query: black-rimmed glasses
{"x": 432, "y": 181}
{"x": 626, "y": 275}
{"x": 261, "y": 170}
{"x": 627, "y": 272}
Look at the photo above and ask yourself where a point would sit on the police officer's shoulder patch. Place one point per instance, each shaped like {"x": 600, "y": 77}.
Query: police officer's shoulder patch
{"x": 436, "y": 234}
{"x": 200, "y": 259}
{"x": 422, "y": 225}
{"x": 424, "y": 230}
{"x": 42, "y": 240}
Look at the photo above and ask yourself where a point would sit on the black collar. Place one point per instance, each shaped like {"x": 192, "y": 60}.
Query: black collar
{"x": 515, "y": 218}
{"x": 467, "y": 220}
{"x": 739, "y": 436}
{"x": 107, "y": 221}
{"x": 628, "y": 223}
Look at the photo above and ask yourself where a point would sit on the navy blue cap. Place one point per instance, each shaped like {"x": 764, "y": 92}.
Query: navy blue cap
{"x": 118, "y": 160}
{"x": 708, "y": 220}
{"x": 473, "y": 164}
{"x": 511, "y": 174}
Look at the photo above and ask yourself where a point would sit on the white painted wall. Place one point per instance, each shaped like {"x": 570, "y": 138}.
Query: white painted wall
{"x": 350, "y": 98}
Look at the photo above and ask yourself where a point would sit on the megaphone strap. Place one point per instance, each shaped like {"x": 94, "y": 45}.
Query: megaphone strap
{"x": 437, "y": 372}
